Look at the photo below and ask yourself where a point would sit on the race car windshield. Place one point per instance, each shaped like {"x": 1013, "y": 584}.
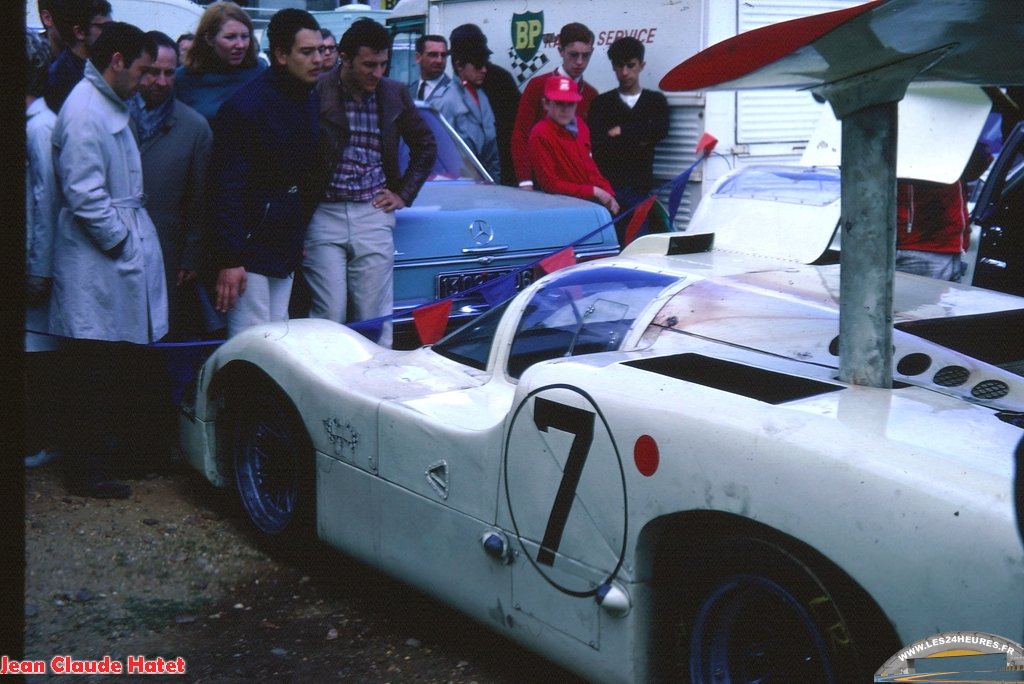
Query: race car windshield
{"x": 584, "y": 312}
{"x": 471, "y": 344}
{"x": 794, "y": 184}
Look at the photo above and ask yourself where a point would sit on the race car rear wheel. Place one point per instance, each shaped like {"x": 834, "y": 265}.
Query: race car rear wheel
{"x": 755, "y": 613}
{"x": 273, "y": 464}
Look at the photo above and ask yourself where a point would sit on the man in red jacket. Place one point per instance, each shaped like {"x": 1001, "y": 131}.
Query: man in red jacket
{"x": 576, "y": 46}
{"x": 559, "y": 147}
{"x": 932, "y": 229}
{"x": 933, "y": 226}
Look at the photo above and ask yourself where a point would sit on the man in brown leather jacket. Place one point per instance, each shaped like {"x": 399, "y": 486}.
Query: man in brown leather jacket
{"x": 349, "y": 247}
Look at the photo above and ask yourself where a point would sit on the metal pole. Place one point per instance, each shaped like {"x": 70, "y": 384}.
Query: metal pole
{"x": 868, "y": 254}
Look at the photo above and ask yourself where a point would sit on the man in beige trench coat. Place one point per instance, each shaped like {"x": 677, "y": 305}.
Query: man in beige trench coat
{"x": 109, "y": 293}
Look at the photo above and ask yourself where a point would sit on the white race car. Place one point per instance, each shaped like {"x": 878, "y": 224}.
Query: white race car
{"x": 645, "y": 467}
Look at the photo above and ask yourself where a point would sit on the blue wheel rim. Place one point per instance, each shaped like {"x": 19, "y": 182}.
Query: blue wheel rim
{"x": 266, "y": 471}
{"x": 751, "y": 630}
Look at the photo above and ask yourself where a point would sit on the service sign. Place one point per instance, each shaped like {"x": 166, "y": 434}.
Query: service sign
{"x": 524, "y": 35}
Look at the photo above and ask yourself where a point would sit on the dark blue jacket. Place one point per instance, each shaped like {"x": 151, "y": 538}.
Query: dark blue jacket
{"x": 264, "y": 149}
{"x": 64, "y": 74}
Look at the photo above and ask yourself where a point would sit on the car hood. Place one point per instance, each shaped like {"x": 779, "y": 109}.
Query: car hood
{"x": 941, "y": 328}
{"x": 753, "y": 217}
{"x": 446, "y": 220}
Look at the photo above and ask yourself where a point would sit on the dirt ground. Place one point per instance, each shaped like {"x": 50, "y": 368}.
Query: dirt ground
{"x": 172, "y": 572}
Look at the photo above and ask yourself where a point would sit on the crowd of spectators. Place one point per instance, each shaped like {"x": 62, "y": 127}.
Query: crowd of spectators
{"x": 169, "y": 186}
{"x": 176, "y": 186}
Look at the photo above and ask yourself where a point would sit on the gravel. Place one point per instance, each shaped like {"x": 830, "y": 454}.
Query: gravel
{"x": 173, "y": 572}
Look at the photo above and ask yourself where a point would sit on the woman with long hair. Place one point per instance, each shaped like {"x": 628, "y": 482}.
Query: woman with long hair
{"x": 223, "y": 57}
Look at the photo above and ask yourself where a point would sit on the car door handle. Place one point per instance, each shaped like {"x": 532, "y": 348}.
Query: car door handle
{"x": 490, "y": 249}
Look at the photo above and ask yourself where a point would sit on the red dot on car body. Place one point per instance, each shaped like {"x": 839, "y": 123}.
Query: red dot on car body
{"x": 645, "y": 455}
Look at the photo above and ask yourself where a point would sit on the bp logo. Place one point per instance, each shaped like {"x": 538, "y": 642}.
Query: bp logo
{"x": 950, "y": 656}
{"x": 525, "y": 55}
{"x": 527, "y": 29}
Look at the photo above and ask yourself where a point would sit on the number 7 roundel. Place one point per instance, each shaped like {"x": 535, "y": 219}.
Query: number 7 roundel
{"x": 565, "y": 487}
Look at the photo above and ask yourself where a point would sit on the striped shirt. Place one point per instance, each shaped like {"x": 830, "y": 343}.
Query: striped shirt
{"x": 359, "y": 175}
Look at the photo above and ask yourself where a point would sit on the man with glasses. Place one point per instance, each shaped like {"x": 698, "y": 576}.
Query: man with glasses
{"x": 330, "y": 51}
{"x": 78, "y": 23}
{"x": 503, "y": 95}
{"x": 466, "y": 105}
{"x": 576, "y": 46}
{"x": 431, "y": 56}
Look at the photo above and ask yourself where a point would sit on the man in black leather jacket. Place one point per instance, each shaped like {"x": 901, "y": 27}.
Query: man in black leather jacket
{"x": 349, "y": 247}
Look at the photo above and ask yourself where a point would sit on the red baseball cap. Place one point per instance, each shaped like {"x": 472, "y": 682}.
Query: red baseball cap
{"x": 561, "y": 89}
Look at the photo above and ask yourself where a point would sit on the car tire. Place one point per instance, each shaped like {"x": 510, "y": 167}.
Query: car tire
{"x": 274, "y": 466}
{"x": 753, "y": 612}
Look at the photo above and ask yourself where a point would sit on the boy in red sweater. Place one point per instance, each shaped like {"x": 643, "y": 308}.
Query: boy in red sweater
{"x": 559, "y": 148}
{"x": 575, "y": 47}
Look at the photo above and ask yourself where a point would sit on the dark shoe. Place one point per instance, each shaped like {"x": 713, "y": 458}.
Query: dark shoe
{"x": 99, "y": 487}
{"x": 86, "y": 475}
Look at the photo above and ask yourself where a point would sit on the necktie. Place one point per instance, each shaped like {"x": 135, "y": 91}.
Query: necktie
{"x": 423, "y": 90}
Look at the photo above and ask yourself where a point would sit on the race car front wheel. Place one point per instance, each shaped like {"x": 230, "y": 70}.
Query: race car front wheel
{"x": 273, "y": 464}
{"x": 755, "y": 613}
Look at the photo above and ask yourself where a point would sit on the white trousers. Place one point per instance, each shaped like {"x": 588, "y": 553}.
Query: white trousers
{"x": 349, "y": 263}
{"x": 265, "y": 300}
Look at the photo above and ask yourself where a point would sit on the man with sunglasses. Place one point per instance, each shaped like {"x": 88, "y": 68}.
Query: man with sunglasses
{"x": 431, "y": 56}
{"x": 330, "y": 50}
{"x": 466, "y": 105}
{"x": 576, "y": 46}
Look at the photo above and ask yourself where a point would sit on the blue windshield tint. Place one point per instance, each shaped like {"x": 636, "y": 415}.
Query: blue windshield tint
{"x": 794, "y": 184}
{"x": 584, "y": 311}
{"x": 471, "y": 344}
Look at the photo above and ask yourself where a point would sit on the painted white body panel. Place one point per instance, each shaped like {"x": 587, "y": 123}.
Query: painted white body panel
{"x": 908, "y": 491}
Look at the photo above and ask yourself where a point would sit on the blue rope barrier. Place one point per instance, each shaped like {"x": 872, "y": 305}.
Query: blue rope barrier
{"x": 373, "y": 325}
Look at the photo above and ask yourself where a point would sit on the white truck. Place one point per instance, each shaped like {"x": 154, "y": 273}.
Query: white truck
{"x": 752, "y": 126}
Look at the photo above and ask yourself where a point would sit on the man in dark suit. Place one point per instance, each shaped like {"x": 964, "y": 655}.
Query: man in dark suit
{"x": 431, "y": 56}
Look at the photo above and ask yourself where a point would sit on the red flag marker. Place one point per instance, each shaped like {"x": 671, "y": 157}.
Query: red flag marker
{"x": 637, "y": 219}
{"x": 706, "y": 144}
{"x": 432, "y": 320}
{"x": 558, "y": 260}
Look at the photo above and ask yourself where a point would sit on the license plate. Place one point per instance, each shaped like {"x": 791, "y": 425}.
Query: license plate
{"x": 454, "y": 282}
